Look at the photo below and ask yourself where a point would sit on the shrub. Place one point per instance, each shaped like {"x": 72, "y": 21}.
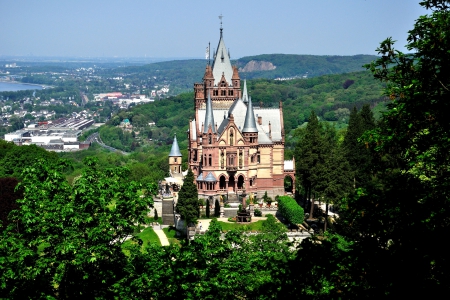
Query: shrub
{"x": 217, "y": 209}
{"x": 258, "y": 213}
{"x": 155, "y": 216}
{"x": 290, "y": 210}
{"x": 207, "y": 208}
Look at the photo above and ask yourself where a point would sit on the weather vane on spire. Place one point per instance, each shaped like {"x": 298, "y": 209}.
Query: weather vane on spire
{"x": 220, "y": 17}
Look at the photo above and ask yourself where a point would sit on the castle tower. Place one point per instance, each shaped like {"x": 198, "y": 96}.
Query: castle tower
{"x": 175, "y": 158}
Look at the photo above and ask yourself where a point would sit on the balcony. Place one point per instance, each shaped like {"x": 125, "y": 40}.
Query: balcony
{"x": 232, "y": 168}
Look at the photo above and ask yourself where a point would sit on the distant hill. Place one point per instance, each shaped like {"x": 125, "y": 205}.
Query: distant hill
{"x": 182, "y": 74}
{"x": 273, "y": 66}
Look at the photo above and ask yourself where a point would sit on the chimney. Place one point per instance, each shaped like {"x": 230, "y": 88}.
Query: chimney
{"x": 259, "y": 120}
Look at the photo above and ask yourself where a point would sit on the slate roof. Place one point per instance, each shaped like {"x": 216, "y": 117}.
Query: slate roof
{"x": 222, "y": 63}
{"x": 209, "y": 117}
{"x": 210, "y": 177}
{"x": 239, "y": 109}
{"x": 249, "y": 123}
{"x": 175, "y": 150}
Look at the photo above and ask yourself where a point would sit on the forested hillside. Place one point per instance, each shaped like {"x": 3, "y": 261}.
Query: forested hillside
{"x": 181, "y": 74}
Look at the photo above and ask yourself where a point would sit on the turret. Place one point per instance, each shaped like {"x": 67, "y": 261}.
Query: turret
{"x": 175, "y": 157}
{"x": 250, "y": 131}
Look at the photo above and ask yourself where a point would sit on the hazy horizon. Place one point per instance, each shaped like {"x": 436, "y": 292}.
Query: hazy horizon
{"x": 167, "y": 30}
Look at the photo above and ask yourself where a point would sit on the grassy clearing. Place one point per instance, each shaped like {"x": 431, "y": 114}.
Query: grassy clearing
{"x": 147, "y": 236}
{"x": 171, "y": 235}
{"x": 255, "y": 226}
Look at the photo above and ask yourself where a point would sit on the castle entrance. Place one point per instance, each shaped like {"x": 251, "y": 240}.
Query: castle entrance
{"x": 231, "y": 184}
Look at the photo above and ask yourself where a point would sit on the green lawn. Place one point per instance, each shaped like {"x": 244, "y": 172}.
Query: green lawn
{"x": 246, "y": 227}
{"x": 148, "y": 235}
{"x": 170, "y": 233}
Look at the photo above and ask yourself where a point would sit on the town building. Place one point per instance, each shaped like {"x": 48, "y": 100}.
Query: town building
{"x": 234, "y": 146}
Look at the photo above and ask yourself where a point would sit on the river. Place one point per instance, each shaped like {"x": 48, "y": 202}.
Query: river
{"x": 12, "y": 87}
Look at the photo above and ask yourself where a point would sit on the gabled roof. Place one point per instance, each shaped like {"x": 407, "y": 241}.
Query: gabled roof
{"x": 175, "y": 150}
{"x": 222, "y": 63}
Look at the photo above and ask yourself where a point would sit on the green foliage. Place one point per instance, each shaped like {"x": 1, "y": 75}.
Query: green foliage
{"x": 13, "y": 159}
{"x": 257, "y": 213}
{"x": 289, "y": 208}
{"x": 83, "y": 226}
{"x": 187, "y": 205}
{"x": 356, "y": 153}
{"x": 272, "y": 225}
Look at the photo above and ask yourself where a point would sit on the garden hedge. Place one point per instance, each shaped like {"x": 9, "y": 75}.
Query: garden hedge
{"x": 290, "y": 210}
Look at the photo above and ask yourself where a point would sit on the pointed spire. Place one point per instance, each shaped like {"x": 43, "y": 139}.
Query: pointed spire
{"x": 209, "y": 116}
{"x": 175, "y": 151}
{"x": 250, "y": 123}
{"x": 244, "y": 93}
{"x": 222, "y": 63}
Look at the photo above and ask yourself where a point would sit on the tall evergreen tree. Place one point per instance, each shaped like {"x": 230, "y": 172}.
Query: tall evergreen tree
{"x": 187, "y": 205}
{"x": 310, "y": 153}
{"x": 207, "y": 212}
{"x": 216, "y": 209}
{"x": 356, "y": 152}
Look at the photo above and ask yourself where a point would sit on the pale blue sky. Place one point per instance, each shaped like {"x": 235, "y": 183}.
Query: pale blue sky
{"x": 170, "y": 28}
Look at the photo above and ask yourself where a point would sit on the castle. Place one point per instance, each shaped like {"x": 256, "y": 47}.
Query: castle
{"x": 234, "y": 147}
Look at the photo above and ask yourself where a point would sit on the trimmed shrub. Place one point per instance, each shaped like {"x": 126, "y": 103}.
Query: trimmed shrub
{"x": 207, "y": 208}
{"x": 290, "y": 210}
{"x": 258, "y": 213}
{"x": 217, "y": 209}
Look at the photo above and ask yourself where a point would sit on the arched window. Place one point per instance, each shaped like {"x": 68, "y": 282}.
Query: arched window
{"x": 210, "y": 160}
{"x": 222, "y": 183}
{"x": 231, "y": 138}
{"x": 240, "y": 183}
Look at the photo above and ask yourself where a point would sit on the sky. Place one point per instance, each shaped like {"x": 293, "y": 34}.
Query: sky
{"x": 183, "y": 29}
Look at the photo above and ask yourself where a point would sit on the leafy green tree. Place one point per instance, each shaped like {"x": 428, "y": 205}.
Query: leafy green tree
{"x": 410, "y": 200}
{"x": 187, "y": 205}
{"x": 69, "y": 240}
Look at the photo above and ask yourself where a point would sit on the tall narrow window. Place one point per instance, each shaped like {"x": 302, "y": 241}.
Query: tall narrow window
{"x": 210, "y": 160}
{"x": 210, "y": 139}
{"x": 240, "y": 159}
{"x": 231, "y": 138}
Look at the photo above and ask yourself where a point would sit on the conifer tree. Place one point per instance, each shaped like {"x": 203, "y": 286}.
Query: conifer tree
{"x": 207, "y": 212}
{"x": 187, "y": 205}
{"x": 216, "y": 209}
{"x": 356, "y": 152}
{"x": 309, "y": 154}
